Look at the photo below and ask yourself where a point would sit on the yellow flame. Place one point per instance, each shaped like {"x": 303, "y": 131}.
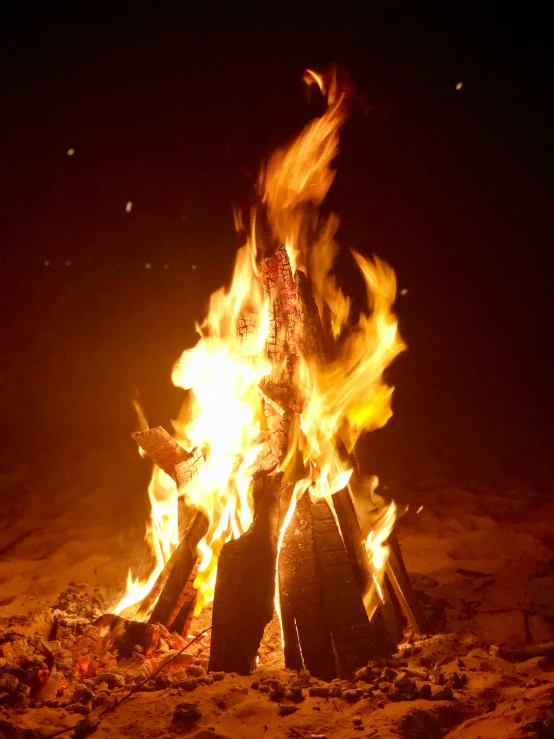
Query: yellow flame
{"x": 342, "y": 397}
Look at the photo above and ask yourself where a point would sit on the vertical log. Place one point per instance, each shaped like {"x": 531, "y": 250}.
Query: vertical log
{"x": 353, "y": 636}
{"x": 245, "y": 584}
{"x": 305, "y": 631}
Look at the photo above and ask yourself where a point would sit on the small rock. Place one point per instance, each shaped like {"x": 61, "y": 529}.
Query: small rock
{"x": 384, "y": 687}
{"x": 188, "y": 713}
{"x": 402, "y": 681}
{"x": 394, "y": 695}
{"x": 363, "y": 675}
{"x": 83, "y": 708}
{"x": 444, "y": 694}
{"x": 351, "y": 695}
{"x": 255, "y": 685}
{"x": 82, "y": 694}
{"x": 189, "y": 684}
{"x": 357, "y": 721}
{"x": 162, "y": 682}
{"x": 195, "y": 670}
{"x": 9, "y": 684}
{"x": 456, "y": 681}
{"x": 112, "y": 679}
{"x": 425, "y": 691}
{"x": 296, "y": 694}
{"x": 437, "y": 677}
{"x": 264, "y": 688}
{"x": 319, "y": 691}
{"x": 389, "y": 674}
{"x": 217, "y": 675}
{"x": 277, "y": 691}
{"x": 336, "y": 691}
{"x": 85, "y": 727}
{"x": 286, "y": 708}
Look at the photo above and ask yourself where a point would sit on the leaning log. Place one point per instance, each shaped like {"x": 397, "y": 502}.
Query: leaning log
{"x": 185, "y": 557}
{"x": 161, "y": 448}
{"x": 354, "y": 637}
{"x": 398, "y": 575}
{"x": 384, "y": 624}
{"x": 181, "y": 616}
{"x": 173, "y": 588}
{"x": 306, "y": 633}
{"x": 245, "y": 584}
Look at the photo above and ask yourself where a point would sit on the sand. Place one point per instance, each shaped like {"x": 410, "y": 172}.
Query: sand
{"x": 481, "y": 557}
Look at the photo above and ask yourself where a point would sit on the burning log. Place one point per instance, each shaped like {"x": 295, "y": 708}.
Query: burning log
{"x": 400, "y": 582}
{"x": 383, "y": 619}
{"x": 174, "y": 587}
{"x": 176, "y": 591}
{"x": 306, "y": 634}
{"x": 354, "y": 637}
{"x": 162, "y": 449}
{"x": 245, "y": 584}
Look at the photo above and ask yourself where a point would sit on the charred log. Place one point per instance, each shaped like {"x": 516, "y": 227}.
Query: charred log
{"x": 245, "y": 584}
{"x": 354, "y": 638}
{"x": 400, "y": 581}
{"x": 384, "y": 623}
{"x": 161, "y": 448}
{"x": 305, "y": 631}
{"x": 183, "y": 563}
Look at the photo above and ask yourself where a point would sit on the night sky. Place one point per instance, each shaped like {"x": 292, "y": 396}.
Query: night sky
{"x": 174, "y": 114}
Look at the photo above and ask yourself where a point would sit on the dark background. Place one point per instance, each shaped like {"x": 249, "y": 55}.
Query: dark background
{"x": 174, "y": 113}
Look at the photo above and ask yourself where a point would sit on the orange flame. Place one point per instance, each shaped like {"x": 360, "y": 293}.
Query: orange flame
{"x": 342, "y": 397}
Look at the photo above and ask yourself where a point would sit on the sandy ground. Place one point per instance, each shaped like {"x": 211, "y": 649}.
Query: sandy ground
{"x": 481, "y": 557}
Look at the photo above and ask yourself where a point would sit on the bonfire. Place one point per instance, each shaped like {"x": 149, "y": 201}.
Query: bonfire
{"x": 254, "y": 496}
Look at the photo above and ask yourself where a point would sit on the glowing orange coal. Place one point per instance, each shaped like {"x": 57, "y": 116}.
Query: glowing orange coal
{"x": 342, "y": 397}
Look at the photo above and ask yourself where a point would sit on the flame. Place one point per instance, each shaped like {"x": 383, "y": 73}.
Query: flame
{"x": 225, "y": 372}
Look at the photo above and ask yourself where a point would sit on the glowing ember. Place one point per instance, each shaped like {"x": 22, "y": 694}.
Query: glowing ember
{"x": 229, "y": 372}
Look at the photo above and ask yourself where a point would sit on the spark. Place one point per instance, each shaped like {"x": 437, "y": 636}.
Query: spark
{"x": 46, "y": 262}
{"x": 404, "y": 291}
{"x": 194, "y": 266}
{"x": 419, "y": 509}
{"x": 129, "y": 206}
{"x": 459, "y": 85}
{"x": 147, "y": 265}
{"x": 70, "y": 152}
